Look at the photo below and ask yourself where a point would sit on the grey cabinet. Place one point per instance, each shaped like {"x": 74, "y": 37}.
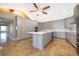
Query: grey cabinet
{"x": 59, "y": 24}
{"x": 71, "y": 27}
{"x": 41, "y": 40}
{"x": 71, "y": 38}
{"x": 24, "y": 26}
{"x": 69, "y": 23}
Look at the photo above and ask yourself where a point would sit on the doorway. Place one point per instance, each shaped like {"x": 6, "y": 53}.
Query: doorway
{"x": 3, "y": 35}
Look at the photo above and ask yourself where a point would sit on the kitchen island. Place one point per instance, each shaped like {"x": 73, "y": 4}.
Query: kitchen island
{"x": 43, "y": 37}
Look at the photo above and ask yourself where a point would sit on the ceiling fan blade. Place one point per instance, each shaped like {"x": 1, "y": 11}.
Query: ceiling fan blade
{"x": 32, "y": 11}
{"x": 44, "y": 12}
{"x": 35, "y": 5}
{"x": 46, "y": 7}
{"x": 11, "y": 10}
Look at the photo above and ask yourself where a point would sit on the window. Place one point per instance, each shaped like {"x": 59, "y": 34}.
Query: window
{"x": 3, "y": 28}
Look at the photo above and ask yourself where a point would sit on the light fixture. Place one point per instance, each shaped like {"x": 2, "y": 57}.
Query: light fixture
{"x": 39, "y": 12}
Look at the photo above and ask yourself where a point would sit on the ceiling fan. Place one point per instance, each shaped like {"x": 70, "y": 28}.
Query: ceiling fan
{"x": 39, "y": 10}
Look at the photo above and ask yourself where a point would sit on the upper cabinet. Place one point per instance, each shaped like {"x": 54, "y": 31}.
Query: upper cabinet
{"x": 68, "y": 22}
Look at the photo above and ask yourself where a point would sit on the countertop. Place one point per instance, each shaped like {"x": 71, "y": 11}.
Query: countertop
{"x": 50, "y": 30}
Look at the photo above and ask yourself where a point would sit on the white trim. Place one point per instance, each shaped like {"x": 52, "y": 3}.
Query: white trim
{"x": 10, "y": 37}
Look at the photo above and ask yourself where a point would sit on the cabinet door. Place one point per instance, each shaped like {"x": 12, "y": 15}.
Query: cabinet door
{"x": 19, "y": 28}
{"x": 24, "y": 28}
{"x": 74, "y": 39}
{"x": 71, "y": 38}
{"x": 47, "y": 38}
{"x": 68, "y": 23}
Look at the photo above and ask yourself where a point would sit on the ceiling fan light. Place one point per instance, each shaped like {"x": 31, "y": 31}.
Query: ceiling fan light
{"x": 17, "y": 13}
{"x": 39, "y": 12}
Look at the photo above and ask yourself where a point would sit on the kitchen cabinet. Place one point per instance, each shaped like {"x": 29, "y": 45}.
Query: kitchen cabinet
{"x": 24, "y": 26}
{"x": 71, "y": 38}
{"x": 41, "y": 40}
{"x": 71, "y": 35}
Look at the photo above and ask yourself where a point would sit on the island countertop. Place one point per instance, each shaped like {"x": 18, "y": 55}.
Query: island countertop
{"x": 50, "y": 30}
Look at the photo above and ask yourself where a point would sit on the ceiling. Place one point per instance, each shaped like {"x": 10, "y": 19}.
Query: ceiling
{"x": 56, "y": 11}
{"x": 4, "y": 21}
{"x": 5, "y": 18}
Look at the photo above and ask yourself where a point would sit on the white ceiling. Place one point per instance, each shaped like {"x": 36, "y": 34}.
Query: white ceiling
{"x": 5, "y": 18}
{"x": 56, "y": 11}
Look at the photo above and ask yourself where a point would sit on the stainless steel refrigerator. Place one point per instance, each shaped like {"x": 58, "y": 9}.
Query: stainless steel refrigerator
{"x": 76, "y": 18}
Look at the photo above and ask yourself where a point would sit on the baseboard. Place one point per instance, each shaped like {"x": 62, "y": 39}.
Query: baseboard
{"x": 24, "y": 39}
{"x": 11, "y": 37}
{"x": 48, "y": 42}
{"x": 59, "y": 37}
{"x": 70, "y": 43}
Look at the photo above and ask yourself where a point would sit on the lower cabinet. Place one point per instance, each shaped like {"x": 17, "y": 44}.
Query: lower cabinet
{"x": 41, "y": 40}
{"x": 71, "y": 37}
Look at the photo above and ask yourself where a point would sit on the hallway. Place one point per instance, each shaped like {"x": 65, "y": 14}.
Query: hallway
{"x": 3, "y": 35}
